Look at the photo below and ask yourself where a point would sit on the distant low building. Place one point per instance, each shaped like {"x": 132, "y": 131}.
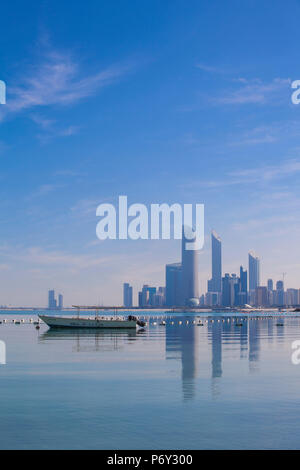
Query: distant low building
{"x": 127, "y": 295}
{"x": 60, "y": 302}
{"x": 261, "y": 296}
{"x": 52, "y": 304}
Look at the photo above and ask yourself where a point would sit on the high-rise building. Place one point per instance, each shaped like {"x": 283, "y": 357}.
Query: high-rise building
{"x": 271, "y": 297}
{"x": 60, "y": 302}
{"x": 279, "y": 285}
{"x": 147, "y": 296}
{"x": 243, "y": 293}
{"x": 190, "y": 268}
{"x": 174, "y": 284}
{"x": 213, "y": 299}
{"x": 292, "y": 297}
{"x": 127, "y": 295}
{"x": 53, "y": 304}
{"x": 159, "y": 297}
{"x": 280, "y": 293}
{"x": 182, "y": 279}
{"x": 51, "y": 300}
{"x": 151, "y": 296}
{"x": 254, "y": 275}
{"x": 261, "y": 296}
{"x": 215, "y": 283}
{"x": 270, "y": 284}
{"x": 230, "y": 289}
{"x": 140, "y": 299}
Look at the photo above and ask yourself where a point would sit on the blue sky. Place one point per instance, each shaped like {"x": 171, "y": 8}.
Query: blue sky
{"x": 170, "y": 101}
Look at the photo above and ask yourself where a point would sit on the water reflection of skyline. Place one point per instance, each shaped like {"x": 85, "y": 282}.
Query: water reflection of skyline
{"x": 185, "y": 343}
{"x": 182, "y": 343}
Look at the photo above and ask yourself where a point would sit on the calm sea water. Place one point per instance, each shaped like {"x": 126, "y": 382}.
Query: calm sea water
{"x": 217, "y": 386}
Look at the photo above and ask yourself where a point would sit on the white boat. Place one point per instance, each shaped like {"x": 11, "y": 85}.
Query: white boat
{"x": 94, "y": 322}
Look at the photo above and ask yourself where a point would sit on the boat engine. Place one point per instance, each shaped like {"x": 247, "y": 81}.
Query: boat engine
{"x": 139, "y": 322}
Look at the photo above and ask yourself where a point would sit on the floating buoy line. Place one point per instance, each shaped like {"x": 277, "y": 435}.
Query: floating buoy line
{"x": 164, "y": 320}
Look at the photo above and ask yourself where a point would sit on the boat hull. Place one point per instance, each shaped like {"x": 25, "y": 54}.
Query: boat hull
{"x": 64, "y": 322}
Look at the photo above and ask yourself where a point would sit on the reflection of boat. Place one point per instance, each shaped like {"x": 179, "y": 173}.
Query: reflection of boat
{"x": 89, "y": 339}
{"x": 91, "y": 322}
{"x": 70, "y": 333}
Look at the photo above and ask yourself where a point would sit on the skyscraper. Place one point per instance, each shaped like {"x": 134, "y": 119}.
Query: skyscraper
{"x": 60, "y": 302}
{"x": 147, "y": 296}
{"x": 127, "y": 295}
{"x": 280, "y": 293}
{"x": 230, "y": 288}
{"x": 190, "y": 268}
{"x": 173, "y": 284}
{"x": 243, "y": 294}
{"x": 261, "y": 296}
{"x": 292, "y": 297}
{"x": 270, "y": 284}
{"x": 51, "y": 300}
{"x": 254, "y": 275}
{"x": 159, "y": 298}
{"x": 215, "y": 284}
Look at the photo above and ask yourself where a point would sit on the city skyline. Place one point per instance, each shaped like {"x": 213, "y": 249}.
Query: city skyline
{"x": 130, "y": 297}
{"x": 228, "y": 290}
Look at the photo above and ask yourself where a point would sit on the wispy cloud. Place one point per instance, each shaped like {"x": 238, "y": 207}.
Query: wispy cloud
{"x": 268, "y": 173}
{"x": 254, "y": 92}
{"x": 85, "y": 208}
{"x": 58, "y": 80}
{"x": 262, "y": 174}
{"x": 268, "y": 134}
{"x": 210, "y": 68}
{"x": 52, "y": 133}
{"x": 42, "y": 122}
{"x": 68, "y": 173}
{"x": 265, "y": 222}
{"x": 43, "y": 190}
{"x": 266, "y": 138}
{"x": 50, "y": 128}
{"x": 41, "y": 256}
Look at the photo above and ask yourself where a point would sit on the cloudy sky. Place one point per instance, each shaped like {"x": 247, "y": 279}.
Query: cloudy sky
{"x": 172, "y": 101}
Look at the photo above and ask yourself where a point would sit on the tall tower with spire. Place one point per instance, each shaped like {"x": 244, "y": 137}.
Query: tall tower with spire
{"x": 190, "y": 267}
